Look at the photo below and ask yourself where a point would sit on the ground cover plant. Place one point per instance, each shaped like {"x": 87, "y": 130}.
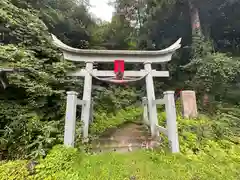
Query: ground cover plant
{"x": 202, "y": 156}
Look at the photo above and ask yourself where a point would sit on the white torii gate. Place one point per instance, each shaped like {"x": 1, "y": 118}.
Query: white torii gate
{"x": 103, "y": 56}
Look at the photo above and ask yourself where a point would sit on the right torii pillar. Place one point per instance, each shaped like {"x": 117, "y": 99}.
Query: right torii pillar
{"x": 152, "y": 108}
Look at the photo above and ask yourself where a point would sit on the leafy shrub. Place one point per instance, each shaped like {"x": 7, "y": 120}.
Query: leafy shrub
{"x": 104, "y": 121}
{"x": 33, "y": 104}
{"x": 59, "y": 164}
{"x": 219, "y": 132}
{"x": 193, "y": 133}
{"x": 25, "y": 134}
{"x": 227, "y": 124}
{"x": 113, "y": 98}
{"x": 203, "y": 156}
{"x": 14, "y": 170}
{"x": 217, "y": 74}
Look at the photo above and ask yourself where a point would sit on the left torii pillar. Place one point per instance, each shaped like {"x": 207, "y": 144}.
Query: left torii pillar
{"x": 70, "y": 118}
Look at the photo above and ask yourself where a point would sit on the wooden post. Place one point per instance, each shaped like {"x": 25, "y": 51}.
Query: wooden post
{"x": 172, "y": 130}
{"x": 70, "y": 118}
{"x": 152, "y": 108}
{"x": 145, "y": 111}
{"x": 87, "y": 97}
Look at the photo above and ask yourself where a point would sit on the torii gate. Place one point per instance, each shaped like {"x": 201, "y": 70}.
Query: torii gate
{"x": 119, "y": 57}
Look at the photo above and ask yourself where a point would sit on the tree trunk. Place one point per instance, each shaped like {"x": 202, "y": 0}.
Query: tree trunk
{"x": 195, "y": 20}
{"x": 197, "y": 31}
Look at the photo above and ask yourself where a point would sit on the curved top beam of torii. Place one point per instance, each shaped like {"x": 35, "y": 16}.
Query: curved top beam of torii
{"x": 92, "y": 55}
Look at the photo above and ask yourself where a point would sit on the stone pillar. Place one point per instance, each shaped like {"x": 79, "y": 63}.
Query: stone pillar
{"x": 145, "y": 111}
{"x": 189, "y": 104}
{"x": 172, "y": 130}
{"x": 152, "y": 108}
{"x": 85, "y": 117}
{"x": 70, "y": 118}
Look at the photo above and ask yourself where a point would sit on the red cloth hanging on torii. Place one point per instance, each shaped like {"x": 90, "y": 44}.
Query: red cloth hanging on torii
{"x": 119, "y": 68}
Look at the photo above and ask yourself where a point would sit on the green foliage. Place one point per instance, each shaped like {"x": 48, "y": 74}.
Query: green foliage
{"x": 206, "y": 153}
{"x": 120, "y": 34}
{"x": 67, "y": 19}
{"x": 215, "y": 73}
{"x": 104, "y": 121}
{"x": 199, "y": 134}
{"x": 113, "y": 98}
{"x": 227, "y": 124}
{"x": 25, "y": 134}
{"x": 14, "y": 170}
{"x": 33, "y": 104}
{"x": 154, "y": 165}
{"x": 193, "y": 133}
{"x": 66, "y": 163}
{"x": 60, "y": 163}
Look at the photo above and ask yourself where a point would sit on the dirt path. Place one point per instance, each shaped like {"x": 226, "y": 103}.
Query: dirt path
{"x": 128, "y": 137}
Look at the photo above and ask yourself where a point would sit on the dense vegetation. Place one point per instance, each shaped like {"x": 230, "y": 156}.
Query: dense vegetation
{"x": 33, "y": 104}
{"x": 204, "y": 155}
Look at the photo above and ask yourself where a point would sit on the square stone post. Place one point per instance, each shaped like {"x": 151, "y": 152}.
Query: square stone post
{"x": 70, "y": 119}
{"x": 172, "y": 130}
{"x": 189, "y": 104}
{"x": 85, "y": 116}
{"x": 152, "y": 108}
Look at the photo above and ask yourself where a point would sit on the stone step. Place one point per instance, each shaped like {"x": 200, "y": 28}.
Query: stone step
{"x": 127, "y": 138}
{"x": 121, "y": 140}
{"x": 124, "y": 148}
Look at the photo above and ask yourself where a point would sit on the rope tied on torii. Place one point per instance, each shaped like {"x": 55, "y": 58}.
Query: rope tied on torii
{"x": 118, "y": 81}
{"x": 119, "y": 74}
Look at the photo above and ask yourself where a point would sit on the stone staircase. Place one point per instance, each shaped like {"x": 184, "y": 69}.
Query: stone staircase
{"x": 129, "y": 137}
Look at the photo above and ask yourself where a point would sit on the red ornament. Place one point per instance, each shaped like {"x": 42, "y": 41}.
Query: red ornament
{"x": 119, "y": 68}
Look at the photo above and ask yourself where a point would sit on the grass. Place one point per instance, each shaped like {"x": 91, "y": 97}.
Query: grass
{"x": 152, "y": 166}
{"x": 68, "y": 163}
